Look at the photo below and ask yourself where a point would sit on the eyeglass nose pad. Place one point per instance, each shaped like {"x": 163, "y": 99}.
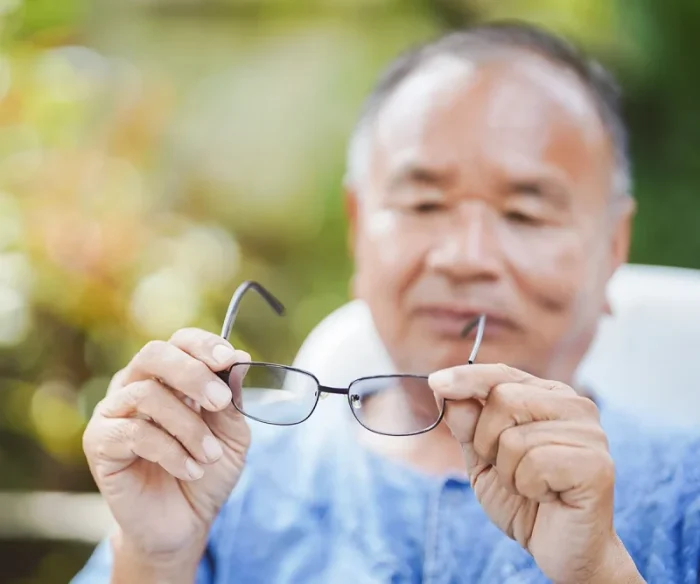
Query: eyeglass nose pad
{"x": 355, "y": 401}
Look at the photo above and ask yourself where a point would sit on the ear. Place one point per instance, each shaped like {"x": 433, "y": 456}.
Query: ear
{"x": 352, "y": 213}
{"x": 623, "y": 215}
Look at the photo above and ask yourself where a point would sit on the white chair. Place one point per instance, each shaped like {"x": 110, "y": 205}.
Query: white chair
{"x": 646, "y": 356}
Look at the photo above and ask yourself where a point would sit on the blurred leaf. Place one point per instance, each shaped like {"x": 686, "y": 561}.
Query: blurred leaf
{"x": 32, "y": 17}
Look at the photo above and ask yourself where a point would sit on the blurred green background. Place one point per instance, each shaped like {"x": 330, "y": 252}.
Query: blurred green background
{"x": 156, "y": 153}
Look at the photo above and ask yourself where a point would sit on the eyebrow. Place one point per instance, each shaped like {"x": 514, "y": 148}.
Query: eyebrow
{"x": 413, "y": 173}
{"x": 551, "y": 186}
{"x": 545, "y": 188}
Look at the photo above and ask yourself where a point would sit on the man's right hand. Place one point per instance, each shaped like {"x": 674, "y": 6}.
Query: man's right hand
{"x": 166, "y": 446}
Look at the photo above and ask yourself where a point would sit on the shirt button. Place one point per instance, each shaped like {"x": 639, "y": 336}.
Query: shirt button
{"x": 455, "y": 484}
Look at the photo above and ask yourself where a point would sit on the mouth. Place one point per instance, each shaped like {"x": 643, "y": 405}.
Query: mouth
{"x": 455, "y": 322}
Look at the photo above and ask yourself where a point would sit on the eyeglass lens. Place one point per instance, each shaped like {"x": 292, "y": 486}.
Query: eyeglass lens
{"x": 396, "y": 405}
{"x": 276, "y": 394}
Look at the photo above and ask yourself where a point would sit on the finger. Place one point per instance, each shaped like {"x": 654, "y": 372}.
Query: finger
{"x": 514, "y": 443}
{"x": 180, "y": 371}
{"x": 214, "y": 351}
{"x": 113, "y": 444}
{"x": 229, "y": 364}
{"x": 477, "y": 381}
{"x": 228, "y": 424}
{"x": 575, "y": 474}
{"x": 118, "y": 381}
{"x": 513, "y": 404}
{"x": 461, "y": 418}
{"x": 231, "y": 429}
{"x": 152, "y": 399}
{"x": 234, "y": 376}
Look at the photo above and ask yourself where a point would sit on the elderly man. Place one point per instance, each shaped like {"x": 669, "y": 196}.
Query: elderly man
{"x": 488, "y": 175}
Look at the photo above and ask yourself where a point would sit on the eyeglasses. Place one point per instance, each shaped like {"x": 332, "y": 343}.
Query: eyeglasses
{"x": 392, "y": 405}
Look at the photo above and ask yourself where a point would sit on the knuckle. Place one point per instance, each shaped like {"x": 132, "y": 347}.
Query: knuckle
{"x": 511, "y": 441}
{"x": 587, "y": 407}
{"x": 501, "y": 397}
{"x": 179, "y": 334}
{"x": 605, "y": 469}
{"x": 89, "y": 440}
{"x": 137, "y": 393}
{"x": 151, "y": 350}
{"x": 194, "y": 339}
{"x": 98, "y": 451}
{"x": 118, "y": 380}
{"x": 195, "y": 371}
{"x": 151, "y": 347}
{"x": 566, "y": 389}
{"x": 505, "y": 370}
{"x": 559, "y": 387}
{"x": 186, "y": 335}
{"x": 95, "y": 440}
{"x": 601, "y": 438}
{"x": 101, "y": 407}
{"x": 132, "y": 432}
{"x": 538, "y": 459}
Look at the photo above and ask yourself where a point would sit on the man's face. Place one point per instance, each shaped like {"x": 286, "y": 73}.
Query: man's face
{"x": 488, "y": 191}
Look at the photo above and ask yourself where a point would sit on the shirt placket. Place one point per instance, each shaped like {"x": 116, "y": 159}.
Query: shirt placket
{"x": 443, "y": 512}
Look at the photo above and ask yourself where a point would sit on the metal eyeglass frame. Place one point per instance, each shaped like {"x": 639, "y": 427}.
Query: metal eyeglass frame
{"x": 278, "y": 307}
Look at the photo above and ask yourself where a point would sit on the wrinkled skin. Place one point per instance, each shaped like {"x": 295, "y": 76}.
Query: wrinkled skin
{"x": 165, "y": 452}
{"x": 489, "y": 190}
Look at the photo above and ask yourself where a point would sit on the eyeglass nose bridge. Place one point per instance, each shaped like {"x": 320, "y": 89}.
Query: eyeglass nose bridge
{"x": 326, "y": 390}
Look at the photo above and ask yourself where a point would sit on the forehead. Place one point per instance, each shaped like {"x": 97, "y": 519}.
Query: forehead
{"x": 508, "y": 111}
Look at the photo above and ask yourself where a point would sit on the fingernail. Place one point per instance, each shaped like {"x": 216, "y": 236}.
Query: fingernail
{"x": 441, "y": 379}
{"x": 223, "y": 354}
{"x": 218, "y": 394}
{"x": 212, "y": 448}
{"x": 193, "y": 469}
{"x": 242, "y": 363}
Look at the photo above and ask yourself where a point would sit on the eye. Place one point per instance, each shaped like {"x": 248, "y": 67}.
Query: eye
{"x": 427, "y": 207}
{"x": 521, "y": 218}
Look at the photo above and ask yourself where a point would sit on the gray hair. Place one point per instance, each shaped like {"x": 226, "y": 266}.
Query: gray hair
{"x": 601, "y": 85}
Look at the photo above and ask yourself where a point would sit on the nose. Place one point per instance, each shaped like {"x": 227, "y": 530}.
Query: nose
{"x": 467, "y": 248}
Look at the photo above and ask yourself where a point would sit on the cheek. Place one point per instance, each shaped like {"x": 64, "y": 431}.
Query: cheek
{"x": 551, "y": 271}
{"x": 387, "y": 255}
{"x": 383, "y": 237}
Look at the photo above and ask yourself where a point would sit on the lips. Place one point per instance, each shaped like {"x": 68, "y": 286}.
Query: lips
{"x": 450, "y": 321}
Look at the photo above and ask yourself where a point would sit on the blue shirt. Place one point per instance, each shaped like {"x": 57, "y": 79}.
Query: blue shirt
{"x": 314, "y": 506}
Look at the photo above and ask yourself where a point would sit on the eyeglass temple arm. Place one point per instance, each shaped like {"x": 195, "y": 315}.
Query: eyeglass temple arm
{"x": 235, "y": 302}
{"x": 479, "y": 322}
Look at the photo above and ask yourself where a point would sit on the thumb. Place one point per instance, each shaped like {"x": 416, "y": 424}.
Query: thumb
{"x": 229, "y": 424}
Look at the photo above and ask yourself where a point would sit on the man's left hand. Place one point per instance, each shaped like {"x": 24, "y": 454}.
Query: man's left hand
{"x": 538, "y": 462}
